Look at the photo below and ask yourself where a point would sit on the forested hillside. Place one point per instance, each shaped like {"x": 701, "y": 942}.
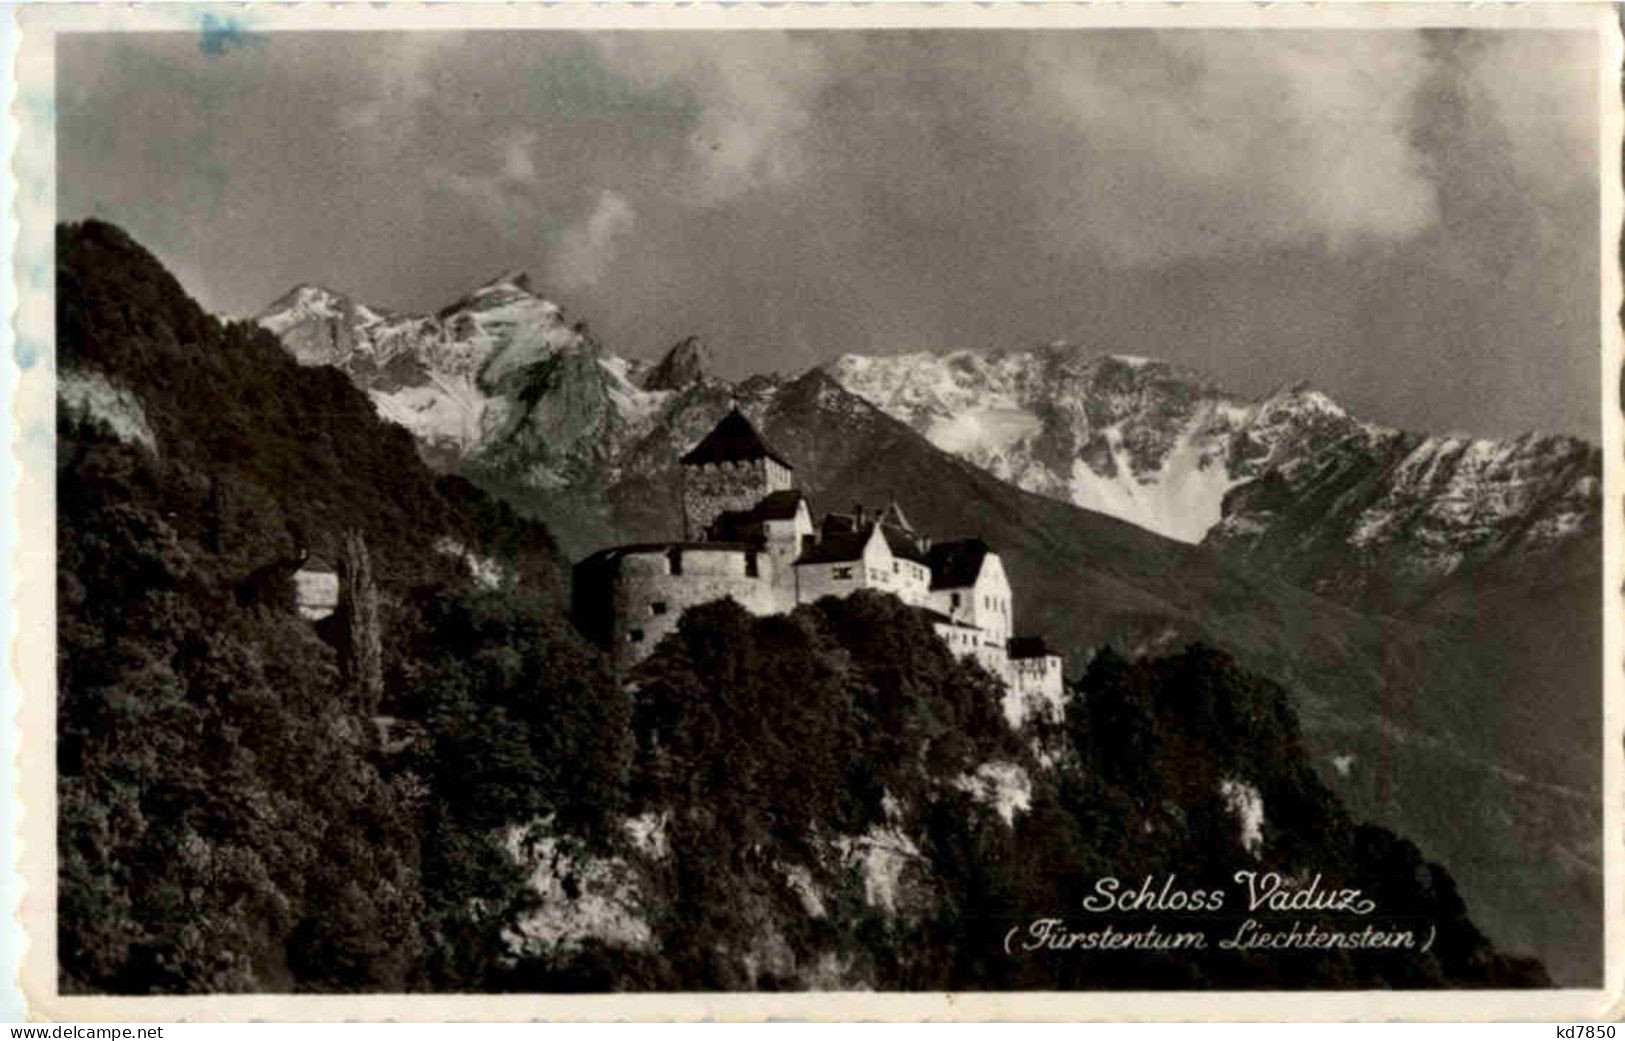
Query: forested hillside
{"x": 227, "y": 820}
{"x": 826, "y": 799}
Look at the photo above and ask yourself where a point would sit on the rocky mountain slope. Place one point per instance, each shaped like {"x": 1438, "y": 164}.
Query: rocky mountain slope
{"x": 1290, "y": 482}
{"x": 1442, "y": 726}
{"x": 500, "y": 373}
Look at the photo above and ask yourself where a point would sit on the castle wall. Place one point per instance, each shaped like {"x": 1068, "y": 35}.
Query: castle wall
{"x": 1037, "y": 688}
{"x": 995, "y": 659}
{"x": 783, "y": 538}
{"x": 965, "y": 642}
{"x": 648, "y": 597}
{"x": 962, "y": 641}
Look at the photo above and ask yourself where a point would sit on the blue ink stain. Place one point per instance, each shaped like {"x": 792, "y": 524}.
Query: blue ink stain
{"x": 27, "y": 353}
{"x": 220, "y": 35}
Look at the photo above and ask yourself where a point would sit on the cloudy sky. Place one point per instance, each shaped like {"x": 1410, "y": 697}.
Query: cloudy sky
{"x": 1406, "y": 219}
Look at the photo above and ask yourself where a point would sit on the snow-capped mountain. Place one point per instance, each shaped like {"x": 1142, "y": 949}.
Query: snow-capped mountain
{"x": 502, "y": 382}
{"x": 1390, "y": 514}
{"x": 1290, "y": 481}
{"x": 1125, "y": 436}
{"x": 501, "y": 375}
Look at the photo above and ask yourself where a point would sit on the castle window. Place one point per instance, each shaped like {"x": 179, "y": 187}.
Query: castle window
{"x": 896, "y": 567}
{"x": 750, "y": 564}
{"x": 635, "y": 636}
{"x": 956, "y": 602}
{"x": 674, "y": 557}
{"x": 841, "y": 573}
{"x": 658, "y": 607}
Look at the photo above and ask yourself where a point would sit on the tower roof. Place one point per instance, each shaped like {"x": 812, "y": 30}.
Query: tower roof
{"x": 893, "y": 516}
{"x": 733, "y": 440}
{"x": 955, "y": 565}
{"x": 746, "y": 525}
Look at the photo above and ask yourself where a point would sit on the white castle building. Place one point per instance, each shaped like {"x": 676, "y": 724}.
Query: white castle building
{"x": 749, "y": 535}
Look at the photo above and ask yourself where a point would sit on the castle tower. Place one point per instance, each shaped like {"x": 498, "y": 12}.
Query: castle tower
{"x": 731, "y": 468}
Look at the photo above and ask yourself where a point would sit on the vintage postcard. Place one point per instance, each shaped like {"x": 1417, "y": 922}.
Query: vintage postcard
{"x": 872, "y": 512}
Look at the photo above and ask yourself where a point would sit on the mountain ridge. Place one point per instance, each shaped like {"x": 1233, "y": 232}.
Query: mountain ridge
{"x": 1171, "y": 450}
{"x": 1289, "y": 481}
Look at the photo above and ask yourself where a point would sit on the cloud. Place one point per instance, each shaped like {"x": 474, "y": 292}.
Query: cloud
{"x": 503, "y": 197}
{"x": 398, "y": 79}
{"x": 1540, "y": 91}
{"x": 588, "y": 247}
{"x": 518, "y": 165}
{"x": 1200, "y": 142}
{"x": 1150, "y": 145}
{"x": 753, "y": 103}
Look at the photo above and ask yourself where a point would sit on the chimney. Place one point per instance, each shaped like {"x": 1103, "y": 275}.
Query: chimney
{"x": 857, "y": 513}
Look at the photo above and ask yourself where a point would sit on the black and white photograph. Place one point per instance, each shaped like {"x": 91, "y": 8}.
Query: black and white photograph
{"x": 925, "y": 509}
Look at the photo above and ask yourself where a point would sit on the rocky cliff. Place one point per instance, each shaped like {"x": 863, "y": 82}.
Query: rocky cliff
{"x": 1290, "y": 482}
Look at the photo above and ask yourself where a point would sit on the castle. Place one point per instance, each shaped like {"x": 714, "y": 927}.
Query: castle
{"x": 749, "y": 534}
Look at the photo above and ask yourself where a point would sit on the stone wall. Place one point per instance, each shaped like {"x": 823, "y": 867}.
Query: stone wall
{"x": 649, "y": 593}
{"x": 716, "y": 487}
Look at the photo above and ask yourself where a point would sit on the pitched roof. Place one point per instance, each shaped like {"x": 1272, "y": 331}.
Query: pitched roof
{"x": 736, "y": 526}
{"x": 838, "y": 524}
{"x": 956, "y": 564}
{"x": 939, "y": 618}
{"x": 903, "y": 543}
{"x": 1028, "y": 647}
{"x": 837, "y": 547}
{"x": 779, "y": 505}
{"x": 841, "y": 542}
{"x": 893, "y": 515}
{"x": 746, "y": 525}
{"x": 732, "y": 440}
